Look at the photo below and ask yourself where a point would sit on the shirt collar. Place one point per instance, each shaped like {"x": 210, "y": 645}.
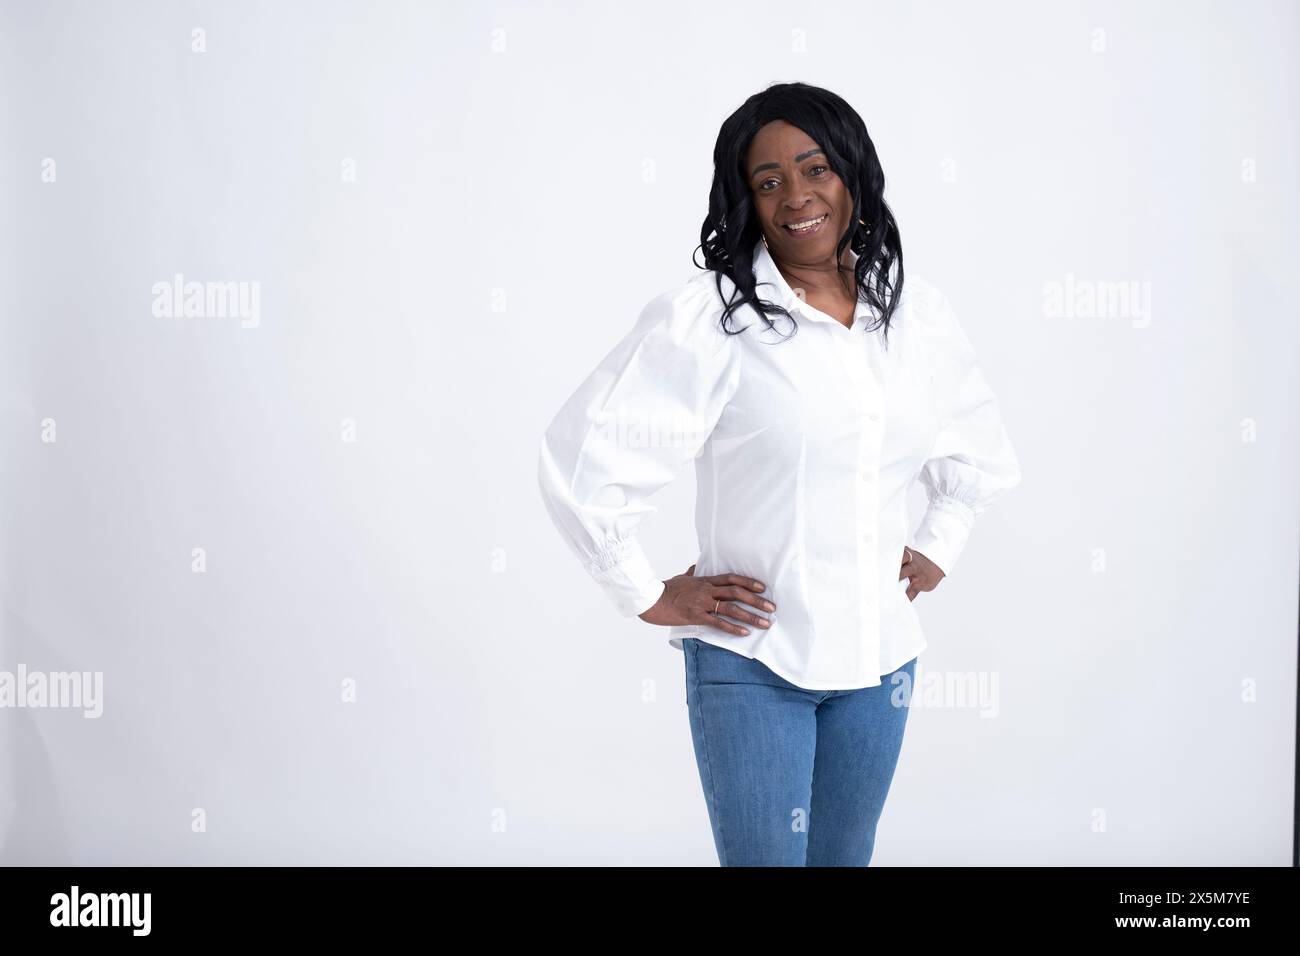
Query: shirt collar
{"x": 766, "y": 273}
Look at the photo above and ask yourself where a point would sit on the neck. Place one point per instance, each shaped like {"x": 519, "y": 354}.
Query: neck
{"x": 821, "y": 278}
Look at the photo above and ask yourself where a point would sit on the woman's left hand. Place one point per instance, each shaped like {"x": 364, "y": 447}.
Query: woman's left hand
{"x": 922, "y": 573}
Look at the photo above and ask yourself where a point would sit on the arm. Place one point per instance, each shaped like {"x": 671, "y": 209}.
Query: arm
{"x": 629, "y": 428}
{"x": 972, "y": 463}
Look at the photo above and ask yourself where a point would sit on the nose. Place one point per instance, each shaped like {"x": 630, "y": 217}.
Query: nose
{"x": 798, "y": 197}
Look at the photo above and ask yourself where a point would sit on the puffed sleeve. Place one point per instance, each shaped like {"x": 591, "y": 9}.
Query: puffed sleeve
{"x": 645, "y": 411}
{"x": 972, "y": 463}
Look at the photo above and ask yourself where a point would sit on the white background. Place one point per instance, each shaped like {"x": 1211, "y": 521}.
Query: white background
{"x": 527, "y": 176}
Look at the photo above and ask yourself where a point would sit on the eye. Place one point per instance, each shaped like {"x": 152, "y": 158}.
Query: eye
{"x": 813, "y": 171}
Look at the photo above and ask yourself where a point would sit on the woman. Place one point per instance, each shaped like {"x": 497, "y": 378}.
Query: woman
{"x": 812, "y": 387}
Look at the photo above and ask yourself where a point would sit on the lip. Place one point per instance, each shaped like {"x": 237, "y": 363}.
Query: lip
{"x": 826, "y": 217}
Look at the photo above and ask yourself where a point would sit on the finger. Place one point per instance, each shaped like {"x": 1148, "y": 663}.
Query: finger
{"x": 907, "y": 555}
{"x": 715, "y": 606}
{"x": 908, "y": 571}
{"x": 691, "y": 570}
{"x": 912, "y": 592}
{"x": 734, "y": 610}
{"x": 736, "y": 579}
{"x": 736, "y": 593}
{"x": 722, "y": 624}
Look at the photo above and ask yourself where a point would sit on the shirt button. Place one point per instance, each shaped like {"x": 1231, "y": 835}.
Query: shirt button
{"x": 866, "y": 536}
{"x": 873, "y": 416}
{"x": 866, "y": 476}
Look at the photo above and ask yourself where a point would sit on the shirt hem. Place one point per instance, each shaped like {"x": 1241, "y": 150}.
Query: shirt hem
{"x": 676, "y": 641}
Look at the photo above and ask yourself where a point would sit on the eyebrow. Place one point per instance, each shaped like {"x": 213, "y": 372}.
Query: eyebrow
{"x": 798, "y": 159}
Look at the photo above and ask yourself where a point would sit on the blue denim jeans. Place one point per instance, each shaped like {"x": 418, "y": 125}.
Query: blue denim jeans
{"x": 791, "y": 777}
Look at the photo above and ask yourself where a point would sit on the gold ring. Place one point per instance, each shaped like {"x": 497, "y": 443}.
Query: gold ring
{"x": 716, "y": 606}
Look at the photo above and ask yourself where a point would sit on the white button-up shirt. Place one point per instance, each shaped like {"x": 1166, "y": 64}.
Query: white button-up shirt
{"x": 805, "y": 446}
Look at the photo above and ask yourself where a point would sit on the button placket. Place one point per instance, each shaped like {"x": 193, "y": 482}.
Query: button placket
{"x": 870, "y": 442}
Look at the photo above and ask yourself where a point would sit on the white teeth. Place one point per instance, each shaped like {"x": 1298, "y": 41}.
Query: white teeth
{"x": 806, "y": 224}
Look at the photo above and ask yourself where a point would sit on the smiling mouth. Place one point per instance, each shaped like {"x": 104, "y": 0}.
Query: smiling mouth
{"x": 806, "y": 227}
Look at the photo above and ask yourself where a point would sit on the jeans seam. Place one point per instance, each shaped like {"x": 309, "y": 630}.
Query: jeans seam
{"x": 708, "y": 767}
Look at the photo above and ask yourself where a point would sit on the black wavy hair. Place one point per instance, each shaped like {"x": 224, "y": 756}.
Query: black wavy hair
{"x": 731, "y": 228}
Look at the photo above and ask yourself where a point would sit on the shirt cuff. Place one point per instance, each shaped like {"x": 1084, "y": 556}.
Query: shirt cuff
{"x": 943, "y": 531}
{"x": 627, "y": 578}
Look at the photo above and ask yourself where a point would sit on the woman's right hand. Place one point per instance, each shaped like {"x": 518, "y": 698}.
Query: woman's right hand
{"x": 691, "y": 600}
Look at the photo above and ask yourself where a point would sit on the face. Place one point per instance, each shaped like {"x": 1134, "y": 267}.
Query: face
{"x": 791, "y": 181}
